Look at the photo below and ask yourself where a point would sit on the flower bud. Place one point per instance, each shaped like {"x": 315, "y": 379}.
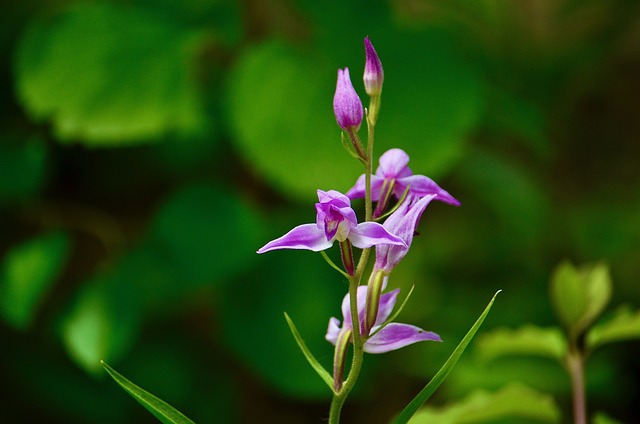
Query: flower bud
{"x": 373, "y": 72}
{"x": 346, "y": 104}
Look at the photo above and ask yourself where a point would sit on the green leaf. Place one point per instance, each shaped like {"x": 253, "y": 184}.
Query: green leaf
{"x": 108, "y": 74}
{"x": 307, "y": 354}
{"x": 160, "y": 409}
{"x": 279, "y": 102}
{"x": 526, "y": 341}
{"x": 515, "y": 401}
{"x": 206, "y": 234}
{"x": 602, "y": 418}
{"x": 625, "y": 325}
{"x": 103, "y": 322}
{"x": 302, "y": 284}
{"x": 440, "y": 376}
{"x": 27, "y": 273}
{"x": 579, "y": 295}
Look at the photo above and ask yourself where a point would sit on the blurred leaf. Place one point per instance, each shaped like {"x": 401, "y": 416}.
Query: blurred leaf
{"x": 108, "y": 74}
{"x": 625, "y": 325}
{"x": 280, "y": 106}
{"x": 527, "y": 340}
{"x": 253, "y": 329}
{"x": 602, "y": 418}
{"x": 28, "y": 272}
{"x": 424, "y": 395}
{"x": 579, "y": 295}
{"x": 102, "y": 324}
{"x": 511, "y": 193}
{"x": 160, "y": 409}
{"x": 22, "y": 167}
{"x": 206, "y": 234}
{"x": 516, "y": 402}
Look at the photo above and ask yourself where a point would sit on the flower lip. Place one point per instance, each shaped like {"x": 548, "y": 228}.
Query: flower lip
{"x": 347, "y": 106}
{"x": 392, "y": 337}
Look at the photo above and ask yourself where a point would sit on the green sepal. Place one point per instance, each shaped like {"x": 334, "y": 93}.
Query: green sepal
{"x": 159, "y": 408}
{"x": 440, "y": 376}
{"x": 307, "y": 354}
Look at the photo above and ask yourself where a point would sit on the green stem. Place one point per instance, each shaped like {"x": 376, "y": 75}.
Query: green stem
{"x": 340, "y": 396}
{"x": 575, "y": 364}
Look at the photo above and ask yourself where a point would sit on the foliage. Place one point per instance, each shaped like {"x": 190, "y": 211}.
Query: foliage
{"x": 147, "y": 149}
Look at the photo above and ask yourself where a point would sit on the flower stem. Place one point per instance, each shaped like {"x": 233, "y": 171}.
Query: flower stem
{"x": 575, "y": 364}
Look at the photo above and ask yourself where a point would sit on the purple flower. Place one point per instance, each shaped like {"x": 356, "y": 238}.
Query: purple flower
{"x": 402, "y": 222}
{"x": 391, "y": 337}
{"x": 393, "y": 169}
{"x": 373, "y": 72}
{"x": 335, "y": 221}
{"x": 346, "y": 104}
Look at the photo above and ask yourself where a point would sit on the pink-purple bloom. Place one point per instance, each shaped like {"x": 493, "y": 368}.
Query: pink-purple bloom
{"x": 393, "y": 169}
{"x": 335, "y": 220}
{"x": 347, "y": 106}
{"x": 402, "y": 222}
{"x": 373, "y": 72}
{"x": 393, "y": 336}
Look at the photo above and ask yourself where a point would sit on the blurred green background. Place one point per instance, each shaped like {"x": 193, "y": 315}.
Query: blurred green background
{"x": 148, "y": 148}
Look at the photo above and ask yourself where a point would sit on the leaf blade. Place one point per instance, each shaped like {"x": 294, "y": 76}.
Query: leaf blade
{"x": 413, "y": 406}
{"x": 319, "y": 369}
{"x": 159, "y": 408}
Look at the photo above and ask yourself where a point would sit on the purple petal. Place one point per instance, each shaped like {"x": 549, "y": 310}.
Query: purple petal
{"x": 367, "y": 234}
{"x": 333, "y": 197}
{"x": 422, "y": 186}
{"x": 386, "y": 305}
{"x": 358, "y": 190}
{"x": 395, "y": 336}
{"x": 333, "y": 330}
{"x": 306, "y": 236}
{"x": 393, "y": 164}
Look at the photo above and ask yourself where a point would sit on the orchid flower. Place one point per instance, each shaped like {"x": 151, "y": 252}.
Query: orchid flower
{"x": 335, "y": 220}
{"x": 392, "y": 337}
{"x": 402, "y": 222}
{"x": 394, "y": 176}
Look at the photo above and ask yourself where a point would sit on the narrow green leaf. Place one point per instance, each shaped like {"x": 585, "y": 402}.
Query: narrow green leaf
{"x": 160, "y": 409}
{"x": 440, "y": 376}
{"x": 625, "y": 325}
{"x": 332, "y": 264}
{"x": 528, "y": 340}
{"x": 307, "y": 354}
{"x": 514, "y": 401}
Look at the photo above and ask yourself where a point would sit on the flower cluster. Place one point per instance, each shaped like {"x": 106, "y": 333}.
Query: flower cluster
{"x": 400, "y": 199}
